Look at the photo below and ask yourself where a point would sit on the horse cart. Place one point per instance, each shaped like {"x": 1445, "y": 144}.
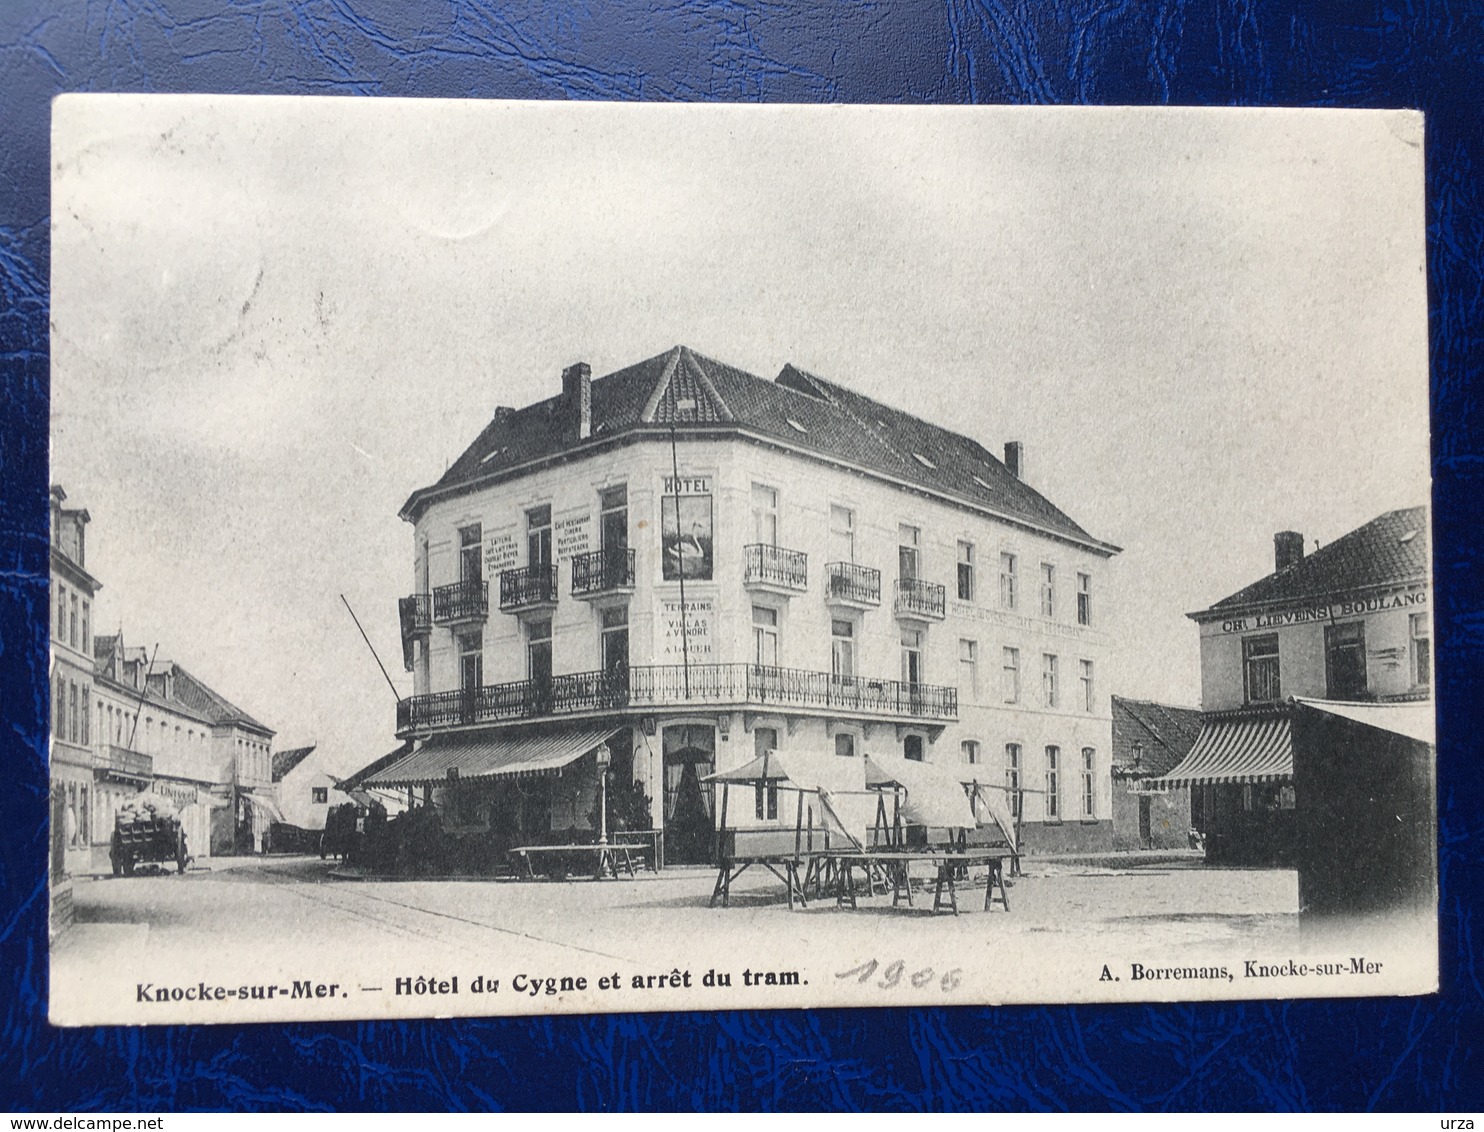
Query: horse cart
{"x": 147, "y": 834}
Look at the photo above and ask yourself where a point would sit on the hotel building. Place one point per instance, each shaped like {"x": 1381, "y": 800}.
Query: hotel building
{"x": 688, "y": 565}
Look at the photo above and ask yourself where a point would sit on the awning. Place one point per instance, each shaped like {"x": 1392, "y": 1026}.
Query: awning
{"x": 1412, "y": 720}
{"x": 991, "y": 806}
{"x": 1235, "y": 750}
{"x": 766, "y": 767}
{"x": 934, "y": 797}
{"x": 264, "y": 806}
{"x": 491, "y": 756}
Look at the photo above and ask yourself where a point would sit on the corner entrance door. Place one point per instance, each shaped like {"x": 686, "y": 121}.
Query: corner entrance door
{"x": 690, "y": 755}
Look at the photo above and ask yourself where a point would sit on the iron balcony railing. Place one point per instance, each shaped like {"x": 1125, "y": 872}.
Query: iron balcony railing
{"x": 602, "y": 571}
{"x": 528, "y": 586}
{"x": 849, "y": 582}
{"x": 775, "y": 566}
{"x": 121, "y": 760}
{"x": 415, "y": 613}
{"x": 916, "y": 598}
{"x": 650, "y": 686}
{"x": 461, "y": 601}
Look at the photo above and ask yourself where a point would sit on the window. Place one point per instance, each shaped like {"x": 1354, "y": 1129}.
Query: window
{"x": 73, "y": 701}
{"x": 319, "y": 795}
{"x": 764, "y": 636}
{"x": 1010, "y": 676}
{"x": 968, "y": 668}
{"x": 1344, "y": 660}
{"x": 912, "y": 656}
{"x": 87, "y": 645}
{"x": 1007, "y": 581}
{"x": 912, "y": 748}
{"x": 1012, "y": 777}
{"x": 538, "y": 651}
{"x": 1048, "y": 590}
{"x": 615, "y": 630}
{"x": 965, "y": 571}
{"x": 1084, "y": 599}
{"x": 764, "y": 515}
{"x": 1421, "y": 651}
{"x": 908, "y": 548}
{"x": 766, "y": 804}
{"x": 1089, "y": 795}
{"x": 613, "y": 518}
{"x": 538, "y": 536}
{"x": 845, "y": 745}
{"x": 1053, "y": 782}
{"x": 72, "y": 623}
{"x": 59, "y": 709}
{"x": 471, "y": 659}
{"x": 970, "y": 749}
{"x": 1088, "y": 703}
{"x": 842, "y": 650}
{"x": 1049, "y": 678}
{"x": 87, "y": 717}
{"x": 471, "y": 565}
{"x": 1260, "y": 668}
{"x": 60, "y": 632}
{"x": 842, "y": 534}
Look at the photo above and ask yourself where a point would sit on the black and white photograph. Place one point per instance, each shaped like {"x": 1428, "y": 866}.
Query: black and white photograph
{"x": 517, "y": 558}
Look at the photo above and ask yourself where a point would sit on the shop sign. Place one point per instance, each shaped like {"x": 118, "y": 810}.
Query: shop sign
{"x": 1345, "y": 607}
{"x": 686, "y": 528}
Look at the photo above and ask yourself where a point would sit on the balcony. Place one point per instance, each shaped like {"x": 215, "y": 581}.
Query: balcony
{"x": 602, "y": 572}
{"x": 919, "y": 601}
{"x": 852, "y": 586}
{"x": 122, "y": 764}
{"x": 415, "y": 613}
{"x": 461, "y": 601}
{"x": 656, "y": 686}
{"x": 774, "y": 569}
{"x": 528, "y": 588}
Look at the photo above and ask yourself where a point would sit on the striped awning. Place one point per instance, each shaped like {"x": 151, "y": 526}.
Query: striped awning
{"x": 491, "y": 756}
{"x": 1235, "y": 751}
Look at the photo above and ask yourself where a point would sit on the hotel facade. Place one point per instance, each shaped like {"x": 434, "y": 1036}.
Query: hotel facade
{"x": 687, "y": 565}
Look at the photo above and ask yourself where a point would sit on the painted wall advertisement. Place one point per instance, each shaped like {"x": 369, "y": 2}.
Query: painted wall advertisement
{"x": 501, "y": 551}
{"x": 573, "y": 533}
{"x": 686, "y": 528}
{"x": 694, "y": 631}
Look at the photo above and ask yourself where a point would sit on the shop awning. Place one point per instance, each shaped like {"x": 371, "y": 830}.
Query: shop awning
{"x": 491, "y": 756}
{"x": 1235, "y": 750}
{"x": 1412, "y": 720}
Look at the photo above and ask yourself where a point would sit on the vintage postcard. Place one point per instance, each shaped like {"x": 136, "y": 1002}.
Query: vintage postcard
{"x": 513, "y": 558}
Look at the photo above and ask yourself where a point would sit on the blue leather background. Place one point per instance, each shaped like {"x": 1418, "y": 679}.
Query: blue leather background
{"x": 1321, "y": 1055}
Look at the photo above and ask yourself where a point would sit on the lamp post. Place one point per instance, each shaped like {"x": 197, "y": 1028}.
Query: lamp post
{"x": 604, "y": 757}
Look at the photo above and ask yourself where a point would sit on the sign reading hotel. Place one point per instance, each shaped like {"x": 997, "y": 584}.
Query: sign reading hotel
{"x": 501, "y": 551}
{"x": 1346, "y": 607}
{"x": 689, "y": 637}
{"x": 573, "y": 533}
{"x": 686, "y": 528}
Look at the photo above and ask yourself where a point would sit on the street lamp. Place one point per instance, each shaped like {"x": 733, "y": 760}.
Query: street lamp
{"x": 604, "y": 757}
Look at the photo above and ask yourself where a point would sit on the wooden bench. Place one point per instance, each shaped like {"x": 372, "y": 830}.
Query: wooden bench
{"x": 606, "y": 858}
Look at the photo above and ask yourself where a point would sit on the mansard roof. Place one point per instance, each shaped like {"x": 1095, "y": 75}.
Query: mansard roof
{"x": 799, "y": 410}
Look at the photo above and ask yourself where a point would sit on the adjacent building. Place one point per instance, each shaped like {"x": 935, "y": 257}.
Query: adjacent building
{"x": 1350, "y": 623}
{"x": 667, "y": 570}
{"x": 1149, "y": 740}
{"x": 72, "y": 599}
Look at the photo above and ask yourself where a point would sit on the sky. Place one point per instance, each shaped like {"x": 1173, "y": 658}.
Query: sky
{"x": 274, "y": 318}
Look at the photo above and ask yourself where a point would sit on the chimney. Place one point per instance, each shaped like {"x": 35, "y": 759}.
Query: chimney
{"x": 1015, "y": 458}
{"x": 503, "y": 413}
{"x": 1288, "y": 549}
{"x": 577, "y": 392}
